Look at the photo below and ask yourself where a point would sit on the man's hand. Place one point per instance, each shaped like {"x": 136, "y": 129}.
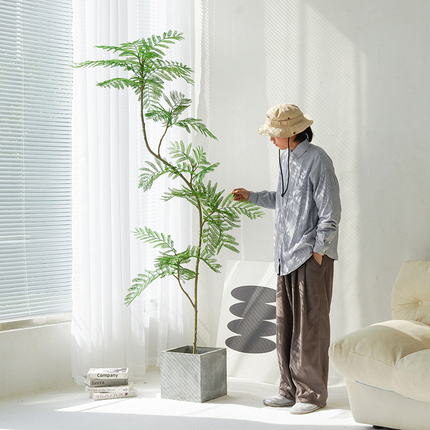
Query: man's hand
{"x": 318, "y": 258}
{"x": 240, "y": 194}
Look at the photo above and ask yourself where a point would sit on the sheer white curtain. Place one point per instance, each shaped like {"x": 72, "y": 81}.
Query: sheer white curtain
{"x": 107, "y": 205}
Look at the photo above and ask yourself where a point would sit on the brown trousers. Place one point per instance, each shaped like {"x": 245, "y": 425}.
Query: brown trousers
{"x": 303, "y": 300}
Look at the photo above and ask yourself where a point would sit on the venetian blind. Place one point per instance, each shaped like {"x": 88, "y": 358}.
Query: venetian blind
{"x": 35, "y": 157}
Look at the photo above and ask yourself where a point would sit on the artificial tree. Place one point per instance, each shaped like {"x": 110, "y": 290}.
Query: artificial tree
{"x": 148, "y": 71}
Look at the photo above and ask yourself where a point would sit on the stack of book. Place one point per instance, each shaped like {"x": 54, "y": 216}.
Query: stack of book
{"x": 108, "y": 384}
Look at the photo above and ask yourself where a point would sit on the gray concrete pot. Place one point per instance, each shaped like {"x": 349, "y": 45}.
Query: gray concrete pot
{"x": 193, "y": 377}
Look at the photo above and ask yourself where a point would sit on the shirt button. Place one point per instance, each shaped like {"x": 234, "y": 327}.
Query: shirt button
{"x": 420, "y": 303}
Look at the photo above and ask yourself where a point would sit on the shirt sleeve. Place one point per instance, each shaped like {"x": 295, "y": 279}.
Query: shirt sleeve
{"x": 265, "y": 199}
{"x": 327, "y": 200}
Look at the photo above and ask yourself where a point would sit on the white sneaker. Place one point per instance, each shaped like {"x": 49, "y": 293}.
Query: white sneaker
{"x": 278, "y": 401}
{"x": 304, "y": 408}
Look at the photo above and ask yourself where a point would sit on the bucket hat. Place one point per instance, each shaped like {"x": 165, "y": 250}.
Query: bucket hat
{"x": 284, "y": 120}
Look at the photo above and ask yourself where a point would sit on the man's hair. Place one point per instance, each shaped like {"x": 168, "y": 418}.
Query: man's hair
{"x": 306, "y": 134}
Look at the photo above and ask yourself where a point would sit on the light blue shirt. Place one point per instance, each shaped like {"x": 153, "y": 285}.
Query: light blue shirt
{"x": 308, "y": 216}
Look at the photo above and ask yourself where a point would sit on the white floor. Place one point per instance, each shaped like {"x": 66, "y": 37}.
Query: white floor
{"x": 70, "y": 408}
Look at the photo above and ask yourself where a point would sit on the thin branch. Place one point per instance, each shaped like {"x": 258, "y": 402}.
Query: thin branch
{"x": 182, "y": 288}
{"x": 161, "y": 140}
{"x": 196, "y": 279}
{"x": 165, "y": 162}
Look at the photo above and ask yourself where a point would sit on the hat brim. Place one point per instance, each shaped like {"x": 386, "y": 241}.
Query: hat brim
{"x": 267, "y": 130}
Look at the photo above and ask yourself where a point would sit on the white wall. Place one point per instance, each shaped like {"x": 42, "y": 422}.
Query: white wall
{"x": 360, "y": 69}
{"x": 35, "y": 358}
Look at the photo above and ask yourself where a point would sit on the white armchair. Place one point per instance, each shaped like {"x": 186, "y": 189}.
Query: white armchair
{"x": 387, "y": 365}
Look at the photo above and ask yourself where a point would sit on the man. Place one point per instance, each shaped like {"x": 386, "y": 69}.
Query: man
{"x": 307, "y": 206}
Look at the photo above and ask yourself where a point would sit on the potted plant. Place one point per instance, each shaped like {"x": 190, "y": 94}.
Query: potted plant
{"x": 148, "y": 71}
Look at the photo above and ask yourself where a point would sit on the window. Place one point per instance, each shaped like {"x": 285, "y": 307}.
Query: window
{"x": 35, "y": 157}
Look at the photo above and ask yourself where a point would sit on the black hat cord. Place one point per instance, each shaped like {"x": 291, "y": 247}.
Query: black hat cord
{"x": 280, "y": 167}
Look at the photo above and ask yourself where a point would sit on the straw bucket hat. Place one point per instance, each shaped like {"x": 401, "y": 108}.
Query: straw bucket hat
{"x": 284, "y": 120}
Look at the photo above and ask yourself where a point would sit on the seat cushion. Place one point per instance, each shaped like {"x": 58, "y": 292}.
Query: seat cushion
{"x": 412, "y": 376}
{"x": 372, "y": 355}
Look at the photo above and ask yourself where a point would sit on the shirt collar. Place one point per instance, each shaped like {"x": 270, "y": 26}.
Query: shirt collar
{"x": 301, "y": 148}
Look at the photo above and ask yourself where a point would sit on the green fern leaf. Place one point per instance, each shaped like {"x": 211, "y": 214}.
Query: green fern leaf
{"x": 196, "y": 125}
{"x": 118, "y": 83}
{"x": 151, "y": 173}
{"x": 159, "y": 240}
{"x": 141, "y": 283}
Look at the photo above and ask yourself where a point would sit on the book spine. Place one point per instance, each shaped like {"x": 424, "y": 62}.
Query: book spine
{"x": 104, "y": 382}
{"x": 101, "y": 374}
{"x": 110, "y": 389}
{"x": 103, "y": 396}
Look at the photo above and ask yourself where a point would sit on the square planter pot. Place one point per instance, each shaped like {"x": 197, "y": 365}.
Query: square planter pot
{"x": 193, "y": 377}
